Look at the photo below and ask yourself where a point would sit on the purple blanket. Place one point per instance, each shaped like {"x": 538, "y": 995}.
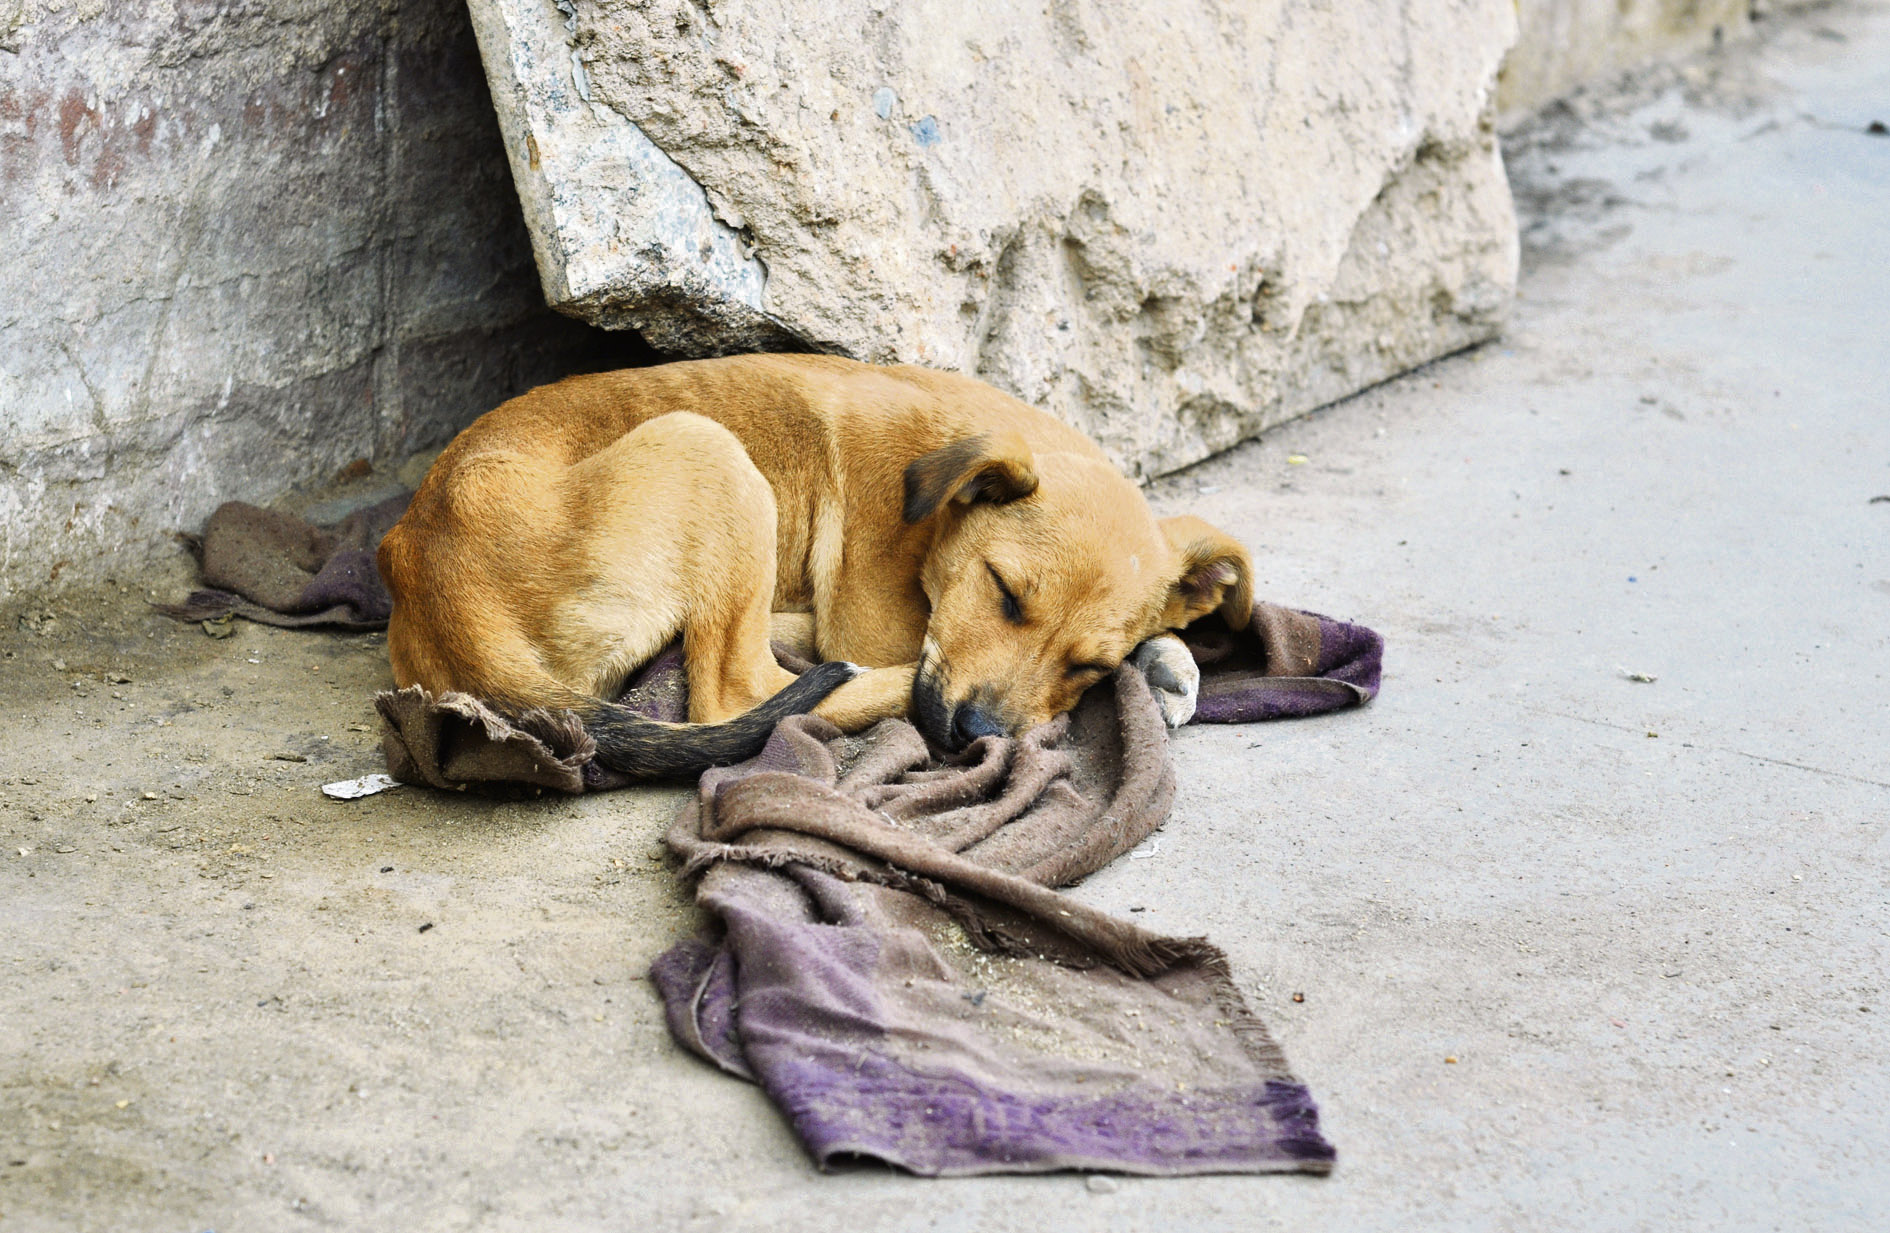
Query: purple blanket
{"x": 891, "y": 961}
{"x": 276, "y": 568}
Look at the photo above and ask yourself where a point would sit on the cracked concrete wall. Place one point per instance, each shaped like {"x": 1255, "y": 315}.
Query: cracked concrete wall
{"x": 248, "y": 242}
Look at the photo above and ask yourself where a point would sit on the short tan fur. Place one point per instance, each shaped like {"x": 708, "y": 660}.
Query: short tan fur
{"x": 987, "y": 561}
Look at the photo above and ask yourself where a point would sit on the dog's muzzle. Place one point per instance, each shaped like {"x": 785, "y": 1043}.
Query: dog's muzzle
{"x": 930, "y": 714}
{"x": 950, "y": 727}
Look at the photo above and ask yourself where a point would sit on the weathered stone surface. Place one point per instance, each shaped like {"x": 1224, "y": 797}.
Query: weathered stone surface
{"x": 624, "y": 237}
{"x": 1567, "y": 43}
{"x": 247, "y": 242}
{"x": 1170, "y": 224}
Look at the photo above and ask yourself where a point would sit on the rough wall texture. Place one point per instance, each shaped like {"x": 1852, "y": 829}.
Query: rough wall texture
{"x": 1565, "y": 44}
{"x": 1170, "y": 224}
{"x": 247, "y": 242}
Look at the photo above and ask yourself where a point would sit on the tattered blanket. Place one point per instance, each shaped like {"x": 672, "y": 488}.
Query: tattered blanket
{"x": 890, "y": 959}
{"x": 276, "y": 568}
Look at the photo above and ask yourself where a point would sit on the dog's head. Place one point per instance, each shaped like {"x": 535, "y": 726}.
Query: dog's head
{"x": 1045, "y": 571}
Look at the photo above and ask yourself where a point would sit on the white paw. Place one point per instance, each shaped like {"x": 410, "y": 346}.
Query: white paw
{"x": 854, "y": 671}
{"x": 1172, "y": 674}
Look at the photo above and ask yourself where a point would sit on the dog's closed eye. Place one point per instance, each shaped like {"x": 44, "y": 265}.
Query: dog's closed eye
{"x": 1013, "y": 611}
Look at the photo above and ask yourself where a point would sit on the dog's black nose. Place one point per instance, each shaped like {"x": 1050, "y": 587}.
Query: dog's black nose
{"x": 970, "y": 722}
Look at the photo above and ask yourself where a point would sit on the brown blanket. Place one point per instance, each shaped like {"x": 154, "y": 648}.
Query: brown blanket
{"x": 278, "y": 569}
{"x": 892, "y": 962}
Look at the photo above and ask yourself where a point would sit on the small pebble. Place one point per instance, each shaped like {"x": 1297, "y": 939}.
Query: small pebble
{"x": 1098, "y": 1184}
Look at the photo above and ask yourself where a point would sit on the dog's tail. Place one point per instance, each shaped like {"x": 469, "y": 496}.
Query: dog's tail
{"x": 652, "y": 749}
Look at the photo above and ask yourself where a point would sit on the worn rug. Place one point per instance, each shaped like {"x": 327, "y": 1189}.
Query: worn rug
{"x": 891, "y": 959}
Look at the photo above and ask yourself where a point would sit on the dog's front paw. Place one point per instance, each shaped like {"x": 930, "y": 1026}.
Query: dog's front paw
{"x": 1172, "y": 674}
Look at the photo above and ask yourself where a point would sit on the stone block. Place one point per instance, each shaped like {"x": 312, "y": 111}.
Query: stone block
{"x": 1564, "y": 44}
{"x": 1170, "y": 224}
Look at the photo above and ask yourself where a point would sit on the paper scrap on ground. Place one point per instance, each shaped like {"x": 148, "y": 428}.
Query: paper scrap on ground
{"x": 352, "y": 789}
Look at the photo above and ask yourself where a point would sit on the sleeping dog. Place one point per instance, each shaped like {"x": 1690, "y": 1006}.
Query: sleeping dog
{"x": 984, "y": 562}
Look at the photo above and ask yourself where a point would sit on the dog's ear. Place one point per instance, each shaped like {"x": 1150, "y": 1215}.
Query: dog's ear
{"x": 1216, "y": 574}
{"x": 991, "y": 467}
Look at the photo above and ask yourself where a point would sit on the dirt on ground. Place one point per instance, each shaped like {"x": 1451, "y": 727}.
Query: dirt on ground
{"x": 219, "y": 982}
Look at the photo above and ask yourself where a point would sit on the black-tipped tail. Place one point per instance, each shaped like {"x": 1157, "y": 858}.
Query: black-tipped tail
{"x": 651, "y": 749}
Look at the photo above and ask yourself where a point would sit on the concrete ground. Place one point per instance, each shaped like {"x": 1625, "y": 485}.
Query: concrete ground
{"x": 1647, "y": 918}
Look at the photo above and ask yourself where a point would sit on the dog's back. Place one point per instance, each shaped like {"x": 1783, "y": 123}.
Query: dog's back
{"x": 509, "y": 584}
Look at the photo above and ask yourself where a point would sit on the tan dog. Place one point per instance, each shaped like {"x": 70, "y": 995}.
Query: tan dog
{"x": 984, "y": 559}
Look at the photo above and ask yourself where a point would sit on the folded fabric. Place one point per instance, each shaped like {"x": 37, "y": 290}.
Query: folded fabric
{"x": 892, "y": 962}
{"x": 277, "y": 568}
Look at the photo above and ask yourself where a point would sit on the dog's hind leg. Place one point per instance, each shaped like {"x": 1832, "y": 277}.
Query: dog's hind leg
{"x": 881, "y": 693}
{"x": 678, "y": 529}
{"x": 794, "y": 632}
